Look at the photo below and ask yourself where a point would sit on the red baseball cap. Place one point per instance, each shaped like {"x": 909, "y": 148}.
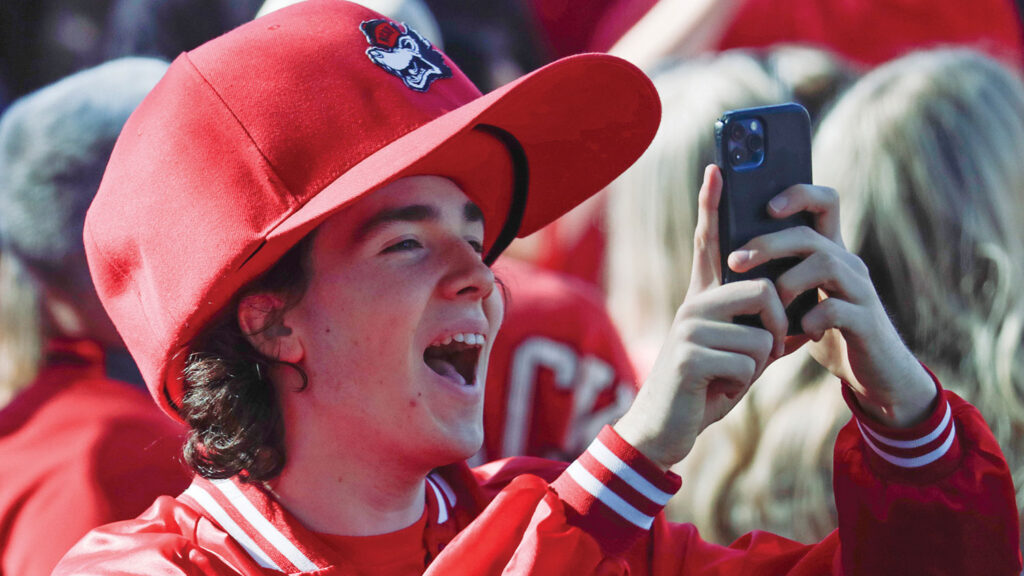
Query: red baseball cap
{"x": 251, "y": 140}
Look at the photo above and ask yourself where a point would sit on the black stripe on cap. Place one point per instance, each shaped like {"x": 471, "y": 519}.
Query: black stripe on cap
{"x": 520, "y": 187}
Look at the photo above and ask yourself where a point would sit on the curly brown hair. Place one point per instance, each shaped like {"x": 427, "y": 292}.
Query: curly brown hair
{"x": 230, "y": 404}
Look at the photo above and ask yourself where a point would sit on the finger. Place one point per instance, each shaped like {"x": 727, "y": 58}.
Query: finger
{"x": 832, "y": 313}
{"x": 757, "y": 343}
{"x": 822, "y": 202}
{"x": 722, "y": 366}
{"x": 744, "y": 298}
{"x": 707, "y": 265}
{"x": 799, "y": 242}
{"x": 835, "y": 274}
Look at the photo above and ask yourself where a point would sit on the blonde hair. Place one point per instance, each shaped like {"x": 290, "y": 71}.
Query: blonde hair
{"x": 924, "y": 152}
{"x": 21, "y": 330}
{"x": 651, "y": 207}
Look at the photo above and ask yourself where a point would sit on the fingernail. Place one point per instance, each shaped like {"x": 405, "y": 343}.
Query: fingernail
{"x": 740, "y": 256}
{"x": 778, "y": 203}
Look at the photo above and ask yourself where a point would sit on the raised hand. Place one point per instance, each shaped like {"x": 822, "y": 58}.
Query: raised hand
{"x": 854, "y": 337}
{"x": 707, "y": 361}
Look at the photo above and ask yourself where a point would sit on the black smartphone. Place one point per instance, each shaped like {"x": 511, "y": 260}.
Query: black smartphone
{"x": 761, "y": 152}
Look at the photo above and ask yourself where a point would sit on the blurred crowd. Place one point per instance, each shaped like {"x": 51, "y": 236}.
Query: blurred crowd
{"x": 918, "y": 117}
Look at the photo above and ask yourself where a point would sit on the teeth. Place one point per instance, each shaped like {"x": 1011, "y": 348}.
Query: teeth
{"x": 463, "y": 337}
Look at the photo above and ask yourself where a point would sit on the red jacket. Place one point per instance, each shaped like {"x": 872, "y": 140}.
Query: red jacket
{"x": 936, "y": 499}
{"x": 78, "y": 450}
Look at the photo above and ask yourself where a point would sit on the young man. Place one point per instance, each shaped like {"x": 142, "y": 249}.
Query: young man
{"x": 293, "y": 236}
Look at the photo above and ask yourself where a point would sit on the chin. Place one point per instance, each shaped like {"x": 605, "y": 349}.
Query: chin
{"x": 464, "y": 444}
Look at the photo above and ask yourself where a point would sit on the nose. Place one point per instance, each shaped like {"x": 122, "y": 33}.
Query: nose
{"x": 467, "y": 275}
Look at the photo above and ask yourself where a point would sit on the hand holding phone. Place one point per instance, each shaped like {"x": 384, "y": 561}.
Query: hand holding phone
{"x": 761, "y": 152}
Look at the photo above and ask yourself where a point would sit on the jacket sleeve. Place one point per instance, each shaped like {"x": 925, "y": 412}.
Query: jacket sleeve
{"x": 935, "y": 499}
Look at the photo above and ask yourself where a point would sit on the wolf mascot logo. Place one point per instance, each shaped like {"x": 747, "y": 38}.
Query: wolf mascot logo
{"x": 403, "y": 52}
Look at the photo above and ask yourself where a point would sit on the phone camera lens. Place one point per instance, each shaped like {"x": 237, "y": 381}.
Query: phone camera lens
{"x": 737, "y": 132}
{"x": 755, "y": 143}
{"x": 738, "y": 156}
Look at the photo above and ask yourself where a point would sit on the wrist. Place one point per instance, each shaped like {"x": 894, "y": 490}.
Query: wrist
{"x": 645, "y": 443}
{"x": 909, "y": 402}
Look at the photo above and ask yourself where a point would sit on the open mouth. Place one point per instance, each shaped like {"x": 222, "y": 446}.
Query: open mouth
{"x": 455, "y": 357}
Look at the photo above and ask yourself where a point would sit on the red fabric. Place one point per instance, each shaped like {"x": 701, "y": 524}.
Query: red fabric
{"x": 574, "y": 26}
{"x": 567, "y": 26}
{"x": 957, "y": 517}
{"x": 394, "y": 554}
{"x": 870, "y": 32}
{"x": 78, "y": 450}
{"x": 558, "y": 370}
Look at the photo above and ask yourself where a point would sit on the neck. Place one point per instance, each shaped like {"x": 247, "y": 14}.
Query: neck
{"x": 336, "y": 485}
{"x": 349, "y": 503}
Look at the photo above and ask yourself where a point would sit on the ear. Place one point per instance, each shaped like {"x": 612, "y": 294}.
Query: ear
{"x": 261, "y": 317}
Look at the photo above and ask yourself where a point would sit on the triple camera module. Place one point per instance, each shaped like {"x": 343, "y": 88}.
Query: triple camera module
{"x": 746, "y": 143}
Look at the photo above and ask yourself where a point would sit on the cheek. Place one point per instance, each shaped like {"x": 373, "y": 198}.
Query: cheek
{"x": 494, "y": 310}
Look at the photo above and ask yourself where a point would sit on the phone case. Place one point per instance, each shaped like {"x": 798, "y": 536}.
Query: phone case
{"x": 785, "y": 159}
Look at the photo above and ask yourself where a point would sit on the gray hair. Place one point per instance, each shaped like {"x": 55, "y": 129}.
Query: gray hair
{"x": 54, "y": 146}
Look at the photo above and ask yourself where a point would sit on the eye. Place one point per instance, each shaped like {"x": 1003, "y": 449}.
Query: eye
{"x": 477, "y": 246}
{"x": 402, "y": 246}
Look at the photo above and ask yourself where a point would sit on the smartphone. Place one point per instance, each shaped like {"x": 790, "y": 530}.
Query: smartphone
{"x": 761, "y": 152}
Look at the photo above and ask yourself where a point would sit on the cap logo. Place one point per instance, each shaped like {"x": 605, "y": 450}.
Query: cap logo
{"x": 404, "y": 53}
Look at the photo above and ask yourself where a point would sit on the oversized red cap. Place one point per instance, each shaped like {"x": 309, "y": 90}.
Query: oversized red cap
{"x": 251, "y": 140}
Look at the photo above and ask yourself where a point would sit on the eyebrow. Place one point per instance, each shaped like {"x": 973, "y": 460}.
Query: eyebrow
{"x": 472, "y": 213}
{"x": 412, "y": 213}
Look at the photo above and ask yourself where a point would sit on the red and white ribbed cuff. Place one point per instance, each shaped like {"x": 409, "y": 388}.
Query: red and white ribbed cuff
{"x": 909, "y": 448}
{"x": 614, "y": 492}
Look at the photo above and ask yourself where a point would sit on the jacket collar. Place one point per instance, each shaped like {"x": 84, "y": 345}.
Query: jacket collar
{"x": 276, "y": 540}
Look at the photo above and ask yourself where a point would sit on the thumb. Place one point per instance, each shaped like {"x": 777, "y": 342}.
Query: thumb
{"x": 707, "y": 263}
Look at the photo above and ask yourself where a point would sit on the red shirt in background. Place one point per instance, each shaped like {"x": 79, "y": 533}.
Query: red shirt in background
{"x": 558, "y": 369}
{"x": 78, "y": 450}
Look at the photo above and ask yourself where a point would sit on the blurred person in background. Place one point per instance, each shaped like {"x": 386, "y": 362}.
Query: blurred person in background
{"x": 494, "y": 42}
{"x": 415, "y": 13}
{"x": 78, "y": 446}
{"x": 42, "y": 41}
{"x": 166, "y": 28}
{"x": 558, "y": 370}
{"x": 926, "y": 150}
